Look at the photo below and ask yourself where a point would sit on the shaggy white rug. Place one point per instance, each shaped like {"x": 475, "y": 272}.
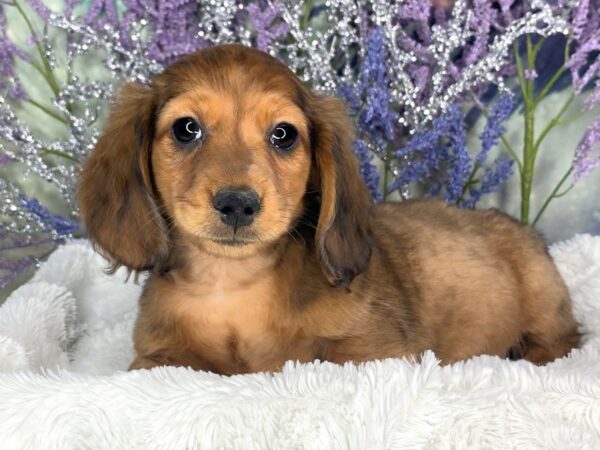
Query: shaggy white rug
{"x": 65, "y": 340}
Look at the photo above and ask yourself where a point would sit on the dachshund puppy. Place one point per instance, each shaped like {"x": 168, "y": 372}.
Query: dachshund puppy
{"x": 236, "y": 188}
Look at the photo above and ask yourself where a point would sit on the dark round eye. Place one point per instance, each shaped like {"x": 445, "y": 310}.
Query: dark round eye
{"x": 284, "y": 136}
{"x": 186, "y": 130}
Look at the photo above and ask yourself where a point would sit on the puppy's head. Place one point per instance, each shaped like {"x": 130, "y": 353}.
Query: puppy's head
{"x": 222, "y": 150}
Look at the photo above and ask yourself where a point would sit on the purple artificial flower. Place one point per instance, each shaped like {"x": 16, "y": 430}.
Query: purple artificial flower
{"x": 417, "y": 10}
{"x": 70, "y": 6}
{"x": 12, "y": 268}
{"x": 594, "y": 97}
{"x": 12, "y": 265}
{"x": 421, "y": 76}
{"x": 4, "y": 160}
{"x": 173, "y": 27}
{"x": 17, "y": 91}
{"x": 505, "y": 9}
{"x": 591, "y": 72}
{"x": 8, "y": 52}
{"x": 263, "y": 21}
{"x": 583, "y": 63}
{"x": 484, "y": 15}
{"x": 530, "y": 74}
{"x": 487, "y": 19}
{"x": 580, "y": 20}
{"x": 586, "y": 159}
{"x": 39, "y": 7}
{"x": 101, "y": 12}
{"x": 579, "y": 60}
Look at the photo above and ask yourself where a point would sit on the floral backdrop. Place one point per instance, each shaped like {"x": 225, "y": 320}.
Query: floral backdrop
{"x": 479, "y": 102}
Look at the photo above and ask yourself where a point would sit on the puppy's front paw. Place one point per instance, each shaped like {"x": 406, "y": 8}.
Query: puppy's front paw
{"x": 142, "y": 362}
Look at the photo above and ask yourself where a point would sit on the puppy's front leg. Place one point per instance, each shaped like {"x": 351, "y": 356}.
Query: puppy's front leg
{"x": 178, "y": 358}
{"x": 142, "y": 362}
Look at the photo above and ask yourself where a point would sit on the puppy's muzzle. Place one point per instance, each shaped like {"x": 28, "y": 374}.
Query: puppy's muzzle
{"x": 237, "y": 207}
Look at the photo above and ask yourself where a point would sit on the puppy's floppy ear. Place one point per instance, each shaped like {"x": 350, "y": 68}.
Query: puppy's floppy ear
{"x": 115, "y": 188}
{"x": 343, "y": 236}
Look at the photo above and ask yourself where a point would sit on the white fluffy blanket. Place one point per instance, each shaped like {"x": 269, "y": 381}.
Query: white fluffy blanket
{"x": 65, "y": 340}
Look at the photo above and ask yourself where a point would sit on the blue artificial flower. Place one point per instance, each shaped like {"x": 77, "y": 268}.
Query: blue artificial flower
{"x": 52, "y": 222}
{"x": 348, "y": 94}
{"x": 490, "y": 182}
{"x": 438, "y": 157}
{"x": 501, "y": 110}
{"x": 377, "y": 119}
{"x": 367, "y": 169}
{"x": 369, "y": 101}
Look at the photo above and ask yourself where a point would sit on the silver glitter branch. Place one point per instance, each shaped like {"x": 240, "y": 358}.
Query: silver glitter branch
{"x": 313, "y": 52}
{"x": 217, "y": 19}
{"x": 541, "y": 20}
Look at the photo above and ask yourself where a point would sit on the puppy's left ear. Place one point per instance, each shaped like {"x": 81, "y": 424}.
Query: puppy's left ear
{"x": 343, "y": 236}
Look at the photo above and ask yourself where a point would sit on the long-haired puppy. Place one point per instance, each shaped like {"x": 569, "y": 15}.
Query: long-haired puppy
{"x": 236, "y": 188}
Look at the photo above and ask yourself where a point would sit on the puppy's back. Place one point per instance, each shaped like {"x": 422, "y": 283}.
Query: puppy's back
{"x": 484, "y": 264}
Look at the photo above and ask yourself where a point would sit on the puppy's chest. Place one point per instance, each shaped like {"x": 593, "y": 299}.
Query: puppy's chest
{"x": 236, "y": 328}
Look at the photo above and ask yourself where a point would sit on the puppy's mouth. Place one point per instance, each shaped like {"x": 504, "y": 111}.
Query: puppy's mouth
{"x": 239, "y": 238}
{"x": 232, "y": 242}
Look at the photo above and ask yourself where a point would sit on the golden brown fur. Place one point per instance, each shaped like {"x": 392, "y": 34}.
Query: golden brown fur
{"x": 321, "y": 272}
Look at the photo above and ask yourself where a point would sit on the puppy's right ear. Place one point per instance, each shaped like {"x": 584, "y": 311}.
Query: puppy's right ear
{"x": 117, "y": 203}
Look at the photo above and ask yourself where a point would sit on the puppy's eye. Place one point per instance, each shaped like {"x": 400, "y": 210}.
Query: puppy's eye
{"x": 186, "y": 130}
{"x": 284, "y": 137}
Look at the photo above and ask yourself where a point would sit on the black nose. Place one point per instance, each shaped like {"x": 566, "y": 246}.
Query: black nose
{"x": 237, "y": 207}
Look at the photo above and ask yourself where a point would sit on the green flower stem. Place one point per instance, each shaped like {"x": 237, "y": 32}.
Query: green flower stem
{"x": 554, "y": 195}
{"x": 550, "y": 84}
{"x": 505, "y": 142}
{"x": 513, "y": 154}
{"x": 528, "y": 162}
{"x": 41, "y": 71}
{"x": 305, "y": 15}
{"x": 49, "y": 75}
{"x": 554, "y": 122}
{"x": 470, "y": 182}
{"x": 529, "y": 147}
{"x": 572, "y": 118}
{"x": 47, "y": 111}
{"x": 386, "y": 170}
{"x": 538, "y": 45}
{"x": 60, "y": 154}
{"x": 530, "y": 65}
{"x": 520, "y": 73}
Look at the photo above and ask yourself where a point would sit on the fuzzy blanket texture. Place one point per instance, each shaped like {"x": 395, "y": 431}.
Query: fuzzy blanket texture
{"x": 65, "y": 342}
